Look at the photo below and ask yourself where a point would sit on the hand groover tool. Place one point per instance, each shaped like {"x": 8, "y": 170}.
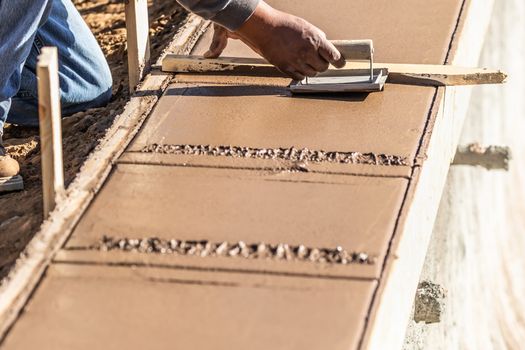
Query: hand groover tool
{"x": 346, "y": 80}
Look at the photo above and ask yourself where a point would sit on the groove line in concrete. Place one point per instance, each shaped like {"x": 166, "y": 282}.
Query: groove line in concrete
{"x": 294, "y": 167}
{"x": 210, "y": 269}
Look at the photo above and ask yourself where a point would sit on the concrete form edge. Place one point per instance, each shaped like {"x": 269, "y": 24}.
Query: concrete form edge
{"x": 391, "y": 308}
{"x": 17, "y": 287}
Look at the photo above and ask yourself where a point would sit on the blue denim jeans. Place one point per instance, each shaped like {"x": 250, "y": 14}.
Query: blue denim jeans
{"x": 25, "y": 27}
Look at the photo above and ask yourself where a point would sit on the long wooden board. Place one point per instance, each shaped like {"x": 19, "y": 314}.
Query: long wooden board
{"x": 411, "y": 74}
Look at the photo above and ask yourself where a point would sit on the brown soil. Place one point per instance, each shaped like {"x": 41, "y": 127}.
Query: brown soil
{"x": 21, "y": 212}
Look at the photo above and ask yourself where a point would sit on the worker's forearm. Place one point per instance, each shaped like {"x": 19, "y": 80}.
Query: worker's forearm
{"x": 229, "y": 13}
{"x": 293, "y": 45}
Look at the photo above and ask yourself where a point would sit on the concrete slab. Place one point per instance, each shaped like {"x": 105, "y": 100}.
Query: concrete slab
{"x": 91, "y": 307}
{"x": 404, "y": 31}
{"x": 315, "y": 210}
{"x": 389, "y": 123}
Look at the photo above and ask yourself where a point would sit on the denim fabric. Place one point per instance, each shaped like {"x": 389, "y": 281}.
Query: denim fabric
{"x": 25, "y": 27}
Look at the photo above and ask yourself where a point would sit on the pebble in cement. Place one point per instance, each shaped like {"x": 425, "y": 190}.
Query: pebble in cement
{"x": 290, "y": 154}
{"x": 281, "y": 251}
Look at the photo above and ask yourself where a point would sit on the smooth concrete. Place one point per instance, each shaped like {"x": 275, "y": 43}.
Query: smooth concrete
{"x": 407, "y": 31}
{"x": 99, "y": 307}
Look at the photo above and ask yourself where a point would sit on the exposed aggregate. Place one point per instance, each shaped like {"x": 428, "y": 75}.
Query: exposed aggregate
{"x": 290, "y": 154}
{"x": 240, "y": 249}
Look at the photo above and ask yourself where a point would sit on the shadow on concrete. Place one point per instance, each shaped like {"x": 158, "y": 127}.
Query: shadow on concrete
{"x": 259, "y": 90}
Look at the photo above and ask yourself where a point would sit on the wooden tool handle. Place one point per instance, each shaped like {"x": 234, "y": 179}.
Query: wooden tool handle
{"x": 355, "y": 49}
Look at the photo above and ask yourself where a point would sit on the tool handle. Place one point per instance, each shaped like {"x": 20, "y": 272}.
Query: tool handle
{"x": 355, "y": 49}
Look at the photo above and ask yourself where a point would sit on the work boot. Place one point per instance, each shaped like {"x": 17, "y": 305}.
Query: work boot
{"x": 8, "y": 166}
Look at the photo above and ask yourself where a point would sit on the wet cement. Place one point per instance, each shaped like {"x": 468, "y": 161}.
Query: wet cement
{"x": 166, "y": 300}
{"x": 269, "y": 117}
{"x": 408, "y": 31}
{"x": 91, "y": 307}
{"x": 232, "y": 205}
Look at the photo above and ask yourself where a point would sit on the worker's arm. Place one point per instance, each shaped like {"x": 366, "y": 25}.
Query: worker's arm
{"x": 230, "y": 14}
{"x": 292, "y": 44}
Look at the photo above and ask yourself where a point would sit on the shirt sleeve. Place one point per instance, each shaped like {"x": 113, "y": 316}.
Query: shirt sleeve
{"x": 231, "y": 14}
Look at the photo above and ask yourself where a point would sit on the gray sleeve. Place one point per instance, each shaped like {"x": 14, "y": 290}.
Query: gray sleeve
{"x": 229, "y": 13}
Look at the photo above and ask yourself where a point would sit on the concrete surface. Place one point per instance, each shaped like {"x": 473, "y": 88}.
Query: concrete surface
{"x": 91, "y": 307}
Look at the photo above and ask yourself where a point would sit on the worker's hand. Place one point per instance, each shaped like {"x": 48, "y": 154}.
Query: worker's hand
{"x": 293, "y": 45}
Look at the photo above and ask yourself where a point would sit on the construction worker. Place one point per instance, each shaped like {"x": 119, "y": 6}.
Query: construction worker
{"x": 293, "y": 45}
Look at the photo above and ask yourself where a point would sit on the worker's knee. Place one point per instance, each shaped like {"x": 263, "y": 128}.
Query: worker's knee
{"x": 77, "y": 93}
{"x": 99, "y": 96}
{"x": 99, "y": 75}
{"x": 85, "y": 77}
{"x": 93, "y": 94}
{"x": 89, "y": 86}
{"x": 99, "y": 87}
{"x": 105, "y": 82}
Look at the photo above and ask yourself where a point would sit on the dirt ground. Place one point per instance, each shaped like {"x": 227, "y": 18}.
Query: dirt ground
{"x": 21, "y": 212}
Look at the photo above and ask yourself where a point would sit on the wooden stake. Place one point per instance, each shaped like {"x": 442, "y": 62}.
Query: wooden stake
{"x": 50, "y": 128}
{"x": 137, "y": 26}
